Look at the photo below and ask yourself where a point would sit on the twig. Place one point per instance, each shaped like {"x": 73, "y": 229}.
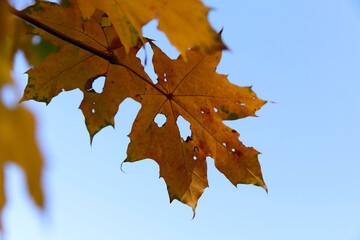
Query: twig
{"x": 108, "y": 57}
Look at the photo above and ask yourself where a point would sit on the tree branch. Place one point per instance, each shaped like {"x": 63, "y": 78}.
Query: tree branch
{"x": 60, "y": 35}
{"x": 108, "y": 57}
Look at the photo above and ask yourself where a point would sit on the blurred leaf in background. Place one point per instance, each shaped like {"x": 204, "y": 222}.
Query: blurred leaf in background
{"x": 17, "y": 125}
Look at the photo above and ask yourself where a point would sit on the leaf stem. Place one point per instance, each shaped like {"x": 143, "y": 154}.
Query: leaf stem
{"x": 60, "y": 35}
{"x": 108, "y": 57}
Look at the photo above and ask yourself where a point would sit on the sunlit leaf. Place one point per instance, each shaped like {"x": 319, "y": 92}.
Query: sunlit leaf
{"x": 184, "y": 22}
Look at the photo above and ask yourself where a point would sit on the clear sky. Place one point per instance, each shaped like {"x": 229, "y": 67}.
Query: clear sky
{"x": 302, "y": 54}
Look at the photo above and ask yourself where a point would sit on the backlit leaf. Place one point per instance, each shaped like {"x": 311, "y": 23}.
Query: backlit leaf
{"x": 73, "y": 68}
{"x": 184, "y": 22}
{"x": 194, "y": 90}
{"x": 191, "y": 89}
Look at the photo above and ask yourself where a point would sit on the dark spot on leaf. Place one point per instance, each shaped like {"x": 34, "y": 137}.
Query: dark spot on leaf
{"x": 107, "y": 123}
{"x": 233, "y": 116}
{"x": 84, "y": 19}
{"x": 65, "y": 3}
{"x": 149, "y": 128}
{"x": 225, "y": 110}
{"x": 174, "y": 197}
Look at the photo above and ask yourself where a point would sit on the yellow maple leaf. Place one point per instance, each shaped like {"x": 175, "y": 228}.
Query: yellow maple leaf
{"x": 18, "y": 145}
{"x": 184, "y": 22}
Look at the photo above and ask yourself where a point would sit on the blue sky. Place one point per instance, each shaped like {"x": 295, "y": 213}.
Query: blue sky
{"x": 302, "y": 54}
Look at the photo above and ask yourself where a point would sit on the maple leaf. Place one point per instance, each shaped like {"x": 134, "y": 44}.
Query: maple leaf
{"x": 184, "y": 22}
{"x": 18, "y": 145}
{"x": 188, "y": 88}
{"x": 71, "y": 67}
{"x": 204, "y": 98}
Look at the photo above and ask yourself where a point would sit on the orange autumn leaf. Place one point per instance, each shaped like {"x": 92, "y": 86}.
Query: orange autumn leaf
{"x": 204, "y": 98}
{"x": 184, "y": 22}
{"x": 71, "y": 68}
{"x": 191, "y": 89}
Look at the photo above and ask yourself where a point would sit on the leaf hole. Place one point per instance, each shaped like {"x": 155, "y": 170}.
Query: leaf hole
{"x": 36, "y": 40}
{"x": 254, "y": 98}
{"x": 98, "y": 84}
{"x": 93, "y": 110}
{"x": 233, "y": 150}
{"x": 184, "y": 127}
{"x": 215, "y": 109}
{"x": 165, "y": 80}
{"x": 195, "y": 158}
{"x": 242, "y": 104}
{"x": 202, "y": 111}
{"x": 145, "y": 54}
{"x": 224, "y": 144}
{"x": 160, "y": 119}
